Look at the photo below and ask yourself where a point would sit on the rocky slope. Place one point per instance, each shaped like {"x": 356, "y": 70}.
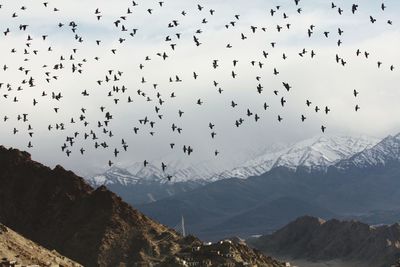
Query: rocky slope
{"x": 318, "y": 240}
{"x": 14, "y": 248}
{"x": 58, "y": 210}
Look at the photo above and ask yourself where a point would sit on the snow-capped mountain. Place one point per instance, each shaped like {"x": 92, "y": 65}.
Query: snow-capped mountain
{"x": 139, "y": 190}
{"x": 384, "y": 153}
{"x": 315, "y": 154}
{"x": 114, "y": 175}
{"x": 179, "y": 170}
{"x": 138, "y": 174}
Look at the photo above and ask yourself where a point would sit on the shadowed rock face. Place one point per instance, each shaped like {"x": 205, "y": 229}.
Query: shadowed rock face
{"x": 58, "y": 210}
{"x": 317, "y": 240}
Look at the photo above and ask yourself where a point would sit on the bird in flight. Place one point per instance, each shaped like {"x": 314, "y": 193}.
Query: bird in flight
{"x": 88, "y": 85}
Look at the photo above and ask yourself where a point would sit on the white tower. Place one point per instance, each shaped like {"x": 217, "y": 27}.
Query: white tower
{"x": 183, "y": 227}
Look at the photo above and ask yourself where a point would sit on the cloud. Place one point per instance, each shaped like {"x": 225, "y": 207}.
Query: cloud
{"x": 320, "y": 80}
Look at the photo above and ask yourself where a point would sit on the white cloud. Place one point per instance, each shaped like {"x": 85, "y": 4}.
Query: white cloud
{"x": 320, "y": 80}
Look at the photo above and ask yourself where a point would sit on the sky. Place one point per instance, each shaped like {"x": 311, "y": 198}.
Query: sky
{"x": 320, "y": 79}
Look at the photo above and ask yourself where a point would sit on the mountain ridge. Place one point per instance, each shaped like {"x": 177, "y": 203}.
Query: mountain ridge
{"x": 58, "y": 210}
{"x": 318, "y": 240}
{"x": 343, "y": 193}
{"x": 314, "y": 154}
{"x": 385, "y": 152}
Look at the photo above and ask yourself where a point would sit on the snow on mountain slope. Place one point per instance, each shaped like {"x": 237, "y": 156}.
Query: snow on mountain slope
{"x": 114, "y": 175}
{"x": 261, "y": 164}
{"x": 385, "y": 152}
{"x": 179, "y": 170}
{"x": 315, "y": 154}
{"x": 321, "y": 152}
{"x": 138, "y": 174}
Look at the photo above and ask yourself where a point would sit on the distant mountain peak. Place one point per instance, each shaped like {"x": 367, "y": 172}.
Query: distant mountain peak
{"x": 385, "y": 152}
{"x": 314, "y": 154}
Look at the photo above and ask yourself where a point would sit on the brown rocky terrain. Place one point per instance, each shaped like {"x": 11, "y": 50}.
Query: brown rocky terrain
{"x": 15, "y": 249}
{"x": 58, "y": 210}
{"x": 317, "y": 240}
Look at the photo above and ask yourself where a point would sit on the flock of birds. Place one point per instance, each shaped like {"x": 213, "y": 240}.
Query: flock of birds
{"x": 96, "y": 135}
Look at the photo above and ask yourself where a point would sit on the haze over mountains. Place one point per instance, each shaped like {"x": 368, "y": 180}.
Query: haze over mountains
{"x": 315, "y": 154}
{"x": 336, "y": 177}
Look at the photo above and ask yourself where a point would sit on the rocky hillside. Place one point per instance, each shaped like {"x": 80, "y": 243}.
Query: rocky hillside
{"x": 318, "y": 240}
{"x": 58, "y": 210}
{"x": 15, "y": 249}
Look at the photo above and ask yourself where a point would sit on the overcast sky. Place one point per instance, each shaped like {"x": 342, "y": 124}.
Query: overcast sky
{"x": 321, "y": 79}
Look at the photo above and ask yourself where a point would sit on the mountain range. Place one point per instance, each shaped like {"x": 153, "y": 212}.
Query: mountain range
{"x": 328, "y": 177}
{"x": 138, "y": 184}
{"x": 315, "y": 154}
{"x": 60, "y": 212}
{"x": 137, "y": 190}
{"x": 367, "y": 181}
{"x": 94, "y": 227}
{"x": 384, "y": 153}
